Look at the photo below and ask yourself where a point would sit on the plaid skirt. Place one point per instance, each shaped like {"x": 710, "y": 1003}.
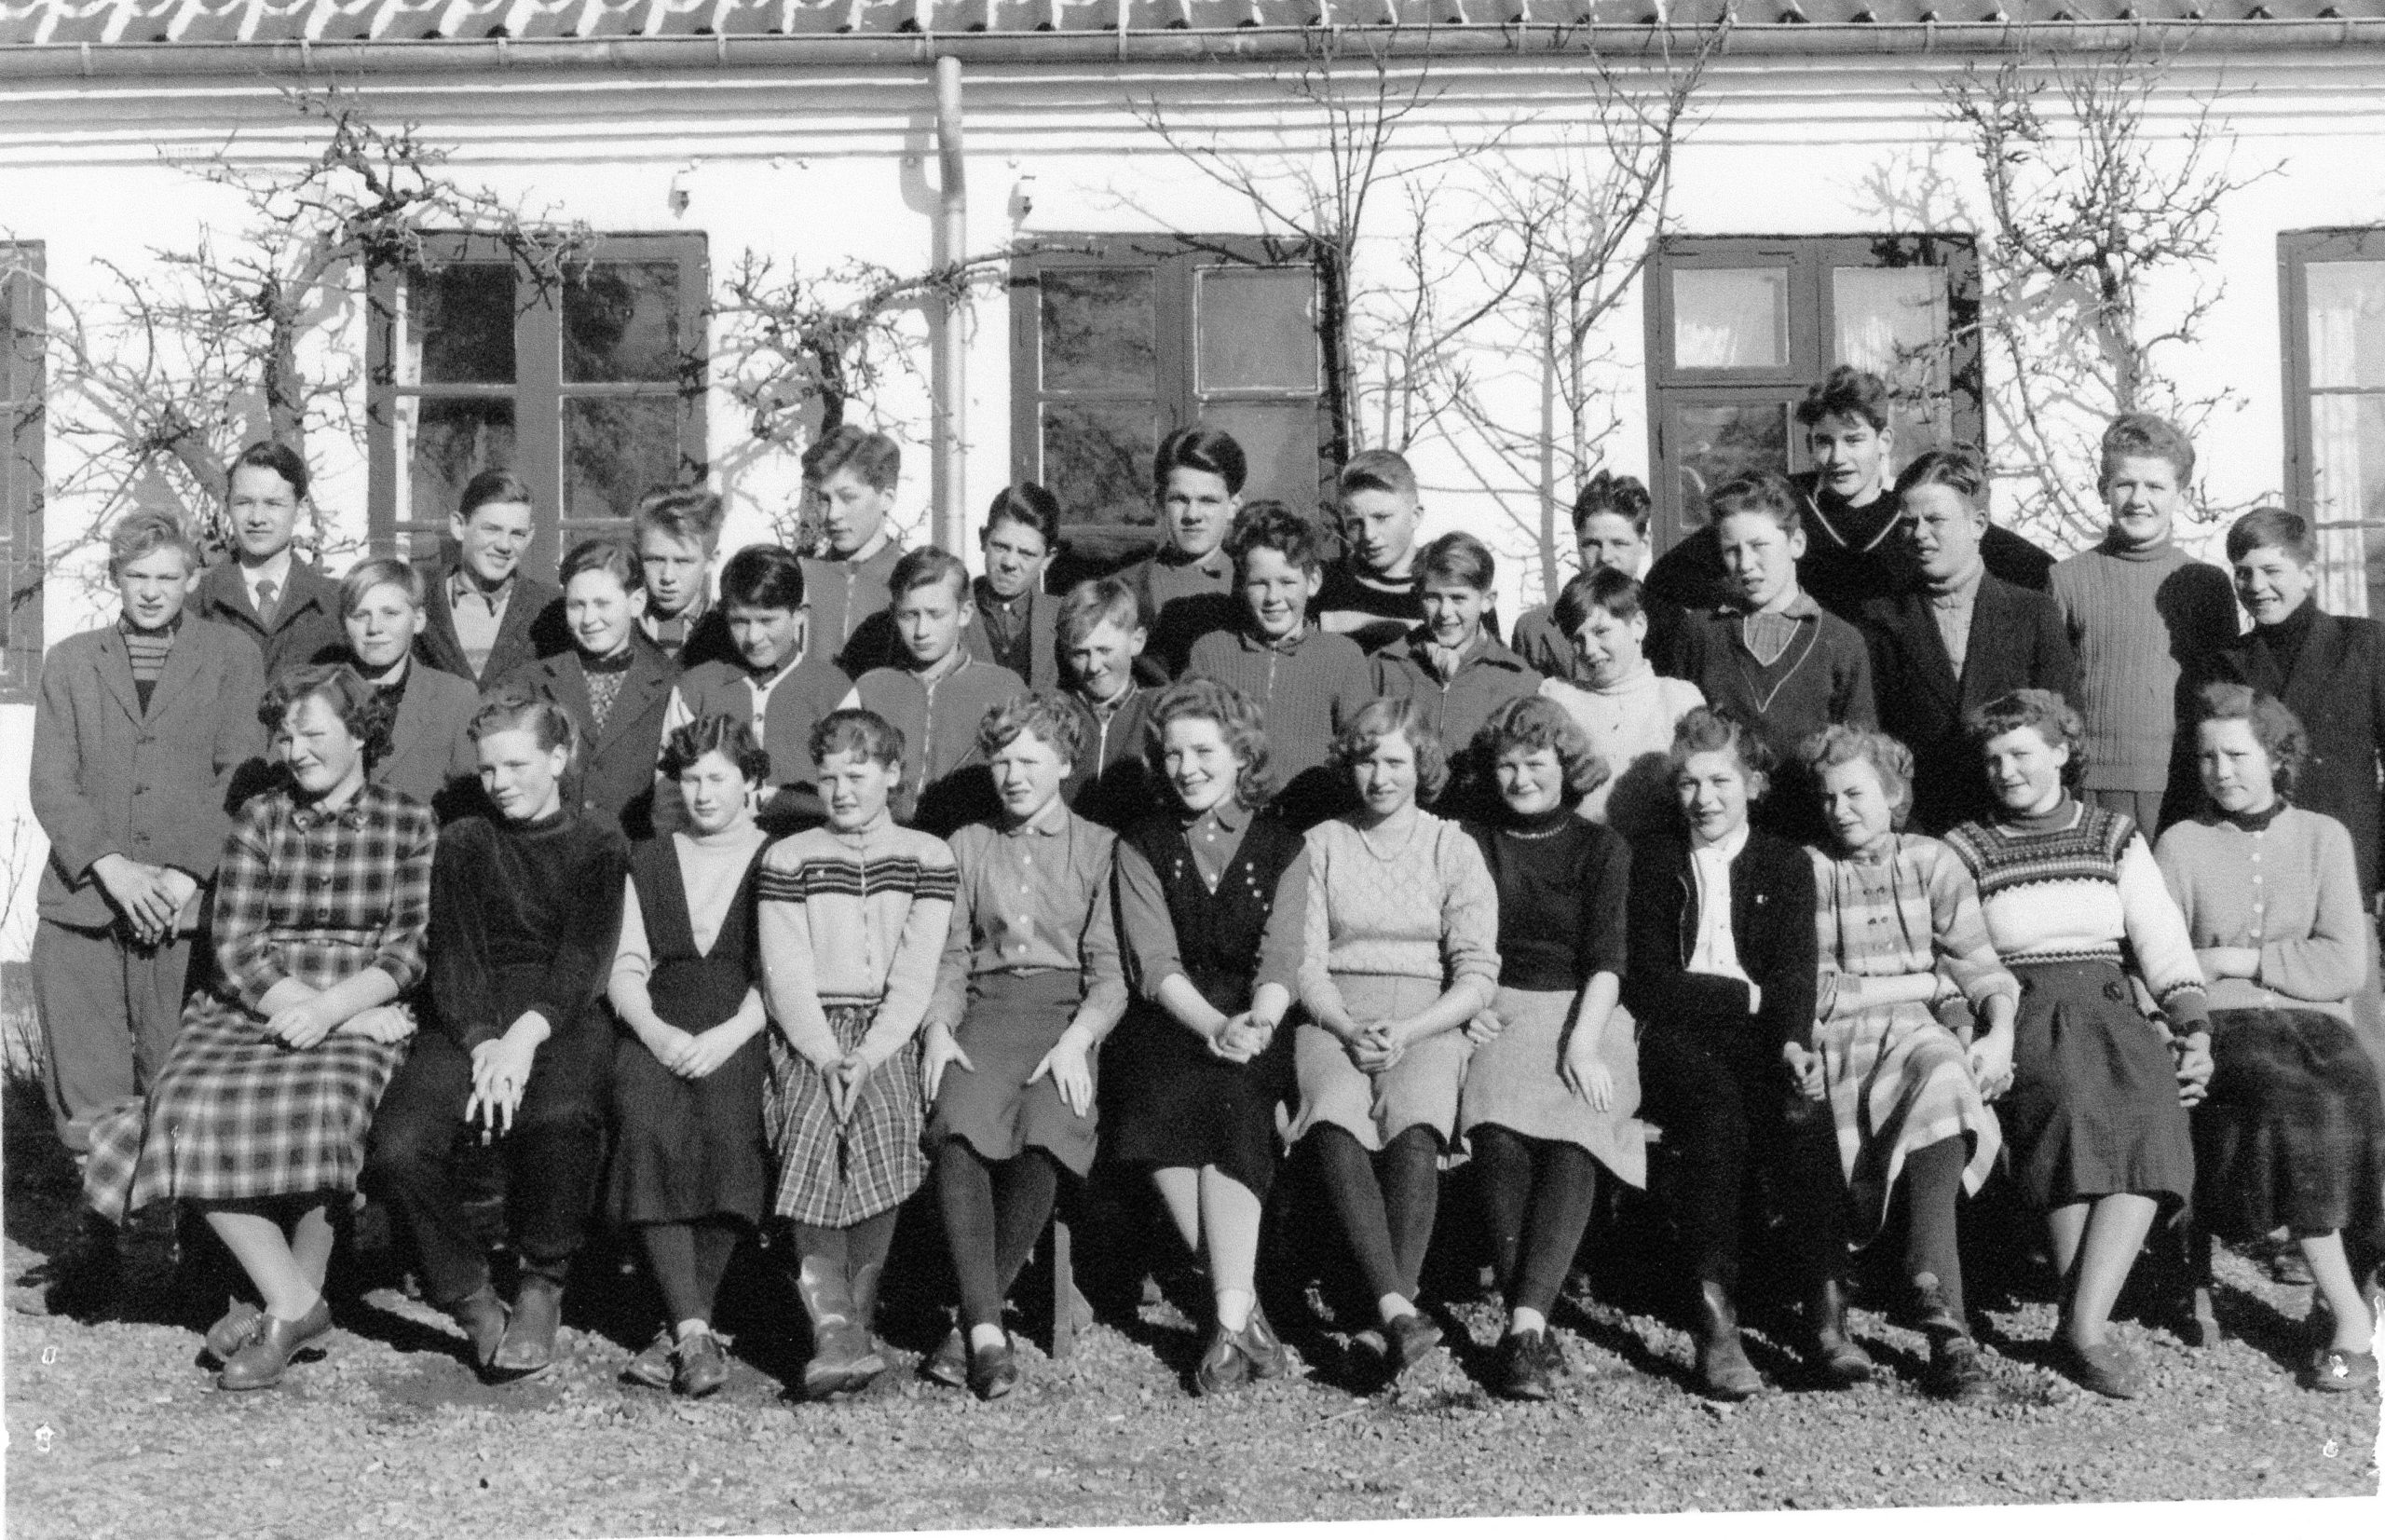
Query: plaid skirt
{"x": 234, "y": 1115}
{"x": 1900, "y": 1081}
{"x": 2291, "y": 1133}
{"x": 834, "y": 1172}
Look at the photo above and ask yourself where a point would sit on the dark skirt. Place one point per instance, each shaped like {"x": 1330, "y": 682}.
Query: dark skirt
{"x": 2292, "y": 1133}
{"x": 2093, "y": 1107}
{"x": 686, "y": 1150}
{"x": 1011, "y": 1023}
{"x": 1173, "y": 1103}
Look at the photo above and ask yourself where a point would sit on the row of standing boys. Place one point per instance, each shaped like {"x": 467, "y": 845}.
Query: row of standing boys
{"x": 866, "y": 876}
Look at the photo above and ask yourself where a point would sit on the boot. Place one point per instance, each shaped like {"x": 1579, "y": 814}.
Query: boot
{"x": 1956, "y": 1372}
{"x": 86, "y": 1277}
{"x": 482, "y": 1318}
{"x": 1723, "y": 1372}
{"x": 528, "y": 1346}
{"x": 1834, "y": 1353}
{"x": 828, "y": 1301}
{"x": 870, "y": 1363}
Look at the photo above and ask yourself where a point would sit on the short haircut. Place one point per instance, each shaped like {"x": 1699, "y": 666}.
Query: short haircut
{"x": 378, "y": 572}
{"x": 142, "y": 531}
{"x": 280, "y": 458}
{"x": 359, "y": 705}
{"x": 1240, "y": 723}
{"x": 1376, "y": 470}
{"x": 2274, "y": 725}
{"x": 1532, "y": 723}
{"x": 610, "y": 557}
{"x": 1030, "y": 503}
{"x": 1394, "y": 716}
{"x": 873, "y": 457}
{"x": 2143, "y": 436}
{"x": 2287, "y": 531}
{"x": 1847, "y": 391}
{"x": 1046, "y": 716}
{"x": 682, "y": 512}
{"x": 1200, "y": 448}
{"x": 1457, "y": 557}
{"x": 853, "y": 730}
{"x": 1842, "y": 743}
{"x": 1704, "y": 730}
{"x": 1605, "y": 492}
{"x": 927, "y": 565}
{"x": 514, "y": 707}
{"x": 763, "y": 576}
{"x": 729, "y": 736}
{"x": 2052, "y": 719}
{"x": 1616, "y": 592}
{"x": 493, "y": 487}
{"x": 1766, "y": 492}
{"x": 1096, "y": 602}
{"x": 1266, "y": 524}
{"x": 1956, "y": 470}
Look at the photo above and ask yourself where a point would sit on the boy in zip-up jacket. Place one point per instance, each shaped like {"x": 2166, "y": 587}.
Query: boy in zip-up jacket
{"x": 938, "y": 697}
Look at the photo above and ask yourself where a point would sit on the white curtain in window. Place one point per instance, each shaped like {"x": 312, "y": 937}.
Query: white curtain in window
{"x": 2346, "y": 329}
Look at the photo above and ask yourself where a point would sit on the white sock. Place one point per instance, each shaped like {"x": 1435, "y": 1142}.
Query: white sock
{"x": 1527, "y": 1320}
{"x": 985, "y": 1339}
{"x": 1393, "y": 1306}
{"x": 1234, "y": 1308}
{"x": 693, "y": 1326}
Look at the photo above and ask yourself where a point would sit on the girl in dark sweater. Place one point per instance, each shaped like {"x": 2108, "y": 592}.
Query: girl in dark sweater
{"x": 1722, "y": 954}
{"x": 514, "y": 1065}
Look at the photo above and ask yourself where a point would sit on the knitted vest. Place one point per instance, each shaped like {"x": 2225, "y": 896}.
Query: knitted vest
{"x": 1219, "y": 935}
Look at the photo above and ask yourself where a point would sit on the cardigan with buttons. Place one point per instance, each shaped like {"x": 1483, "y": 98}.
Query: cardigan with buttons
{"x": 2289, "y": 889}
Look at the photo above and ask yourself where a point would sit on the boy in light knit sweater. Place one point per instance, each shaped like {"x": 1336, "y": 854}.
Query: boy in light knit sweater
{"x": 2137, "y": 609}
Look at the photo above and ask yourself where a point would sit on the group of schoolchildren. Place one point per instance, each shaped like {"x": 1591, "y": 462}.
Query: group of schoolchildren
{"x": 1854, "y": 853}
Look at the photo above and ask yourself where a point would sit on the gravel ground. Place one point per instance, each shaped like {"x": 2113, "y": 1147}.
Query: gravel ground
{"x": 112, "y": 1430}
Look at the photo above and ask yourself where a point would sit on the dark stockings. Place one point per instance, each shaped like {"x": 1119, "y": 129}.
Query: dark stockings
{"x": 1933, "y": 1183}
{"x": 1386, "y": 1202}
{"x": 994, "y": 1212}
{"x": 1537, "y": 1197}
{"x": 688, "y": 1262}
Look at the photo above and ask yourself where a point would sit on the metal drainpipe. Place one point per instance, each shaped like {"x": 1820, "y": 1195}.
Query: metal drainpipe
{"x": 951, "y": 351}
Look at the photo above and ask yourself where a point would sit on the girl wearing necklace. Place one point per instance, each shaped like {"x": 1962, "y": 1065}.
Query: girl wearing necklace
{"x": 853, "y": 921}
{"x": 2096, "y": 1117}
{"x": 1212, "y": 899}
{"x": 1899, "y": 931}
{"x": 1624, "y": 708}
{"x": 688, "y": 1172}
{"x": 1548, "y": 1099}
{"x": 2291, "y": 1135}
{"x": 1399, "y": 953}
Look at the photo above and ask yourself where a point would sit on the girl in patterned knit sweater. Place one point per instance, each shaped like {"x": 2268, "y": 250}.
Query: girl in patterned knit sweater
{"x": 2096, "y": 1118}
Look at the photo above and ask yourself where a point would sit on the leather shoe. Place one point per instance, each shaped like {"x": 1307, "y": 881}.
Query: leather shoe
{"x": 1525, "y": 1364}
{"x": 651, "y": 1367}
{"x": 528, "y": 1346}
{"x": 704, "y": 1367}
{"x": 233, "y": 1332}
{"x": 2105, "y": 1369}
{"x": 1413, "y": 1337}
{"x": 1260, "y": 1348}
{"x": 1956, "y": 1372}
{"x": 2338, "y": 1371}
{"x": 482, "y": 1316}
{"x": 1222, "y": 1366}
{"x": 949, "y": 1365}
{"x": 259, "y": 1364}
{"x": 993, "y": 1372}
{"x": 2198, "y": 1324}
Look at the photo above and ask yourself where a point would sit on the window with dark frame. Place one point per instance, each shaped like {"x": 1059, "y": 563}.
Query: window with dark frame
{"x": 1740, "y": 327}
{"x": 22, "y": 553}
{"x": 1117, "y": 341}
{"x": 2331, "y": 284}
{"x": 591, "y": 389}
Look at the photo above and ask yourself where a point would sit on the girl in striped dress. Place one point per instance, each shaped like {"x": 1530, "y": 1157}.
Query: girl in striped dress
{"x": 2096, "y": 1117}
{"x": 853, "y": 918}
{"x": 1899, "y": 926}
{"x": 259, "y": 1113}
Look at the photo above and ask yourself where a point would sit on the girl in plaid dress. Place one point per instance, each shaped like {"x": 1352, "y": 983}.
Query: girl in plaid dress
{"x": 1900, "y": 928}
{"x": 260, "y": 1112}
{"x": 853, "y": 924}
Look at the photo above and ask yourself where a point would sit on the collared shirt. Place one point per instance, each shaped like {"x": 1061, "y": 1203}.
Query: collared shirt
{"x": 479, "y": 615}
{"x": 1148, "y": 926}
{"x": 1952, "y": 607}
{"x": 276, "y": 571}
{"x": 1766, "y": 633}
{"x": 1034, "y": 895}
{"x": 1716, "y": 950}
{"x": 671, "y": 631}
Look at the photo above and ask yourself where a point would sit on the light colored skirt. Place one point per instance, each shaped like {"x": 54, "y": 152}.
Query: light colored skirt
{"x": 1422, "y": 1087}
{"x": 1514, "y": 1081}
{"x": 1900, "y": 1081}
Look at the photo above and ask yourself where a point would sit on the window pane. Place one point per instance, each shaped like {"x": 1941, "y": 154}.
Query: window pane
{"x": 1096, "y": 325}
{"x": 2347, "y": 463}
{"x": 2347, "y": 323}
{"x": 1096, "y": 461}
{"x": 451, "y": 442}
{"x": 1258, "y": 329}
{"x": 613, "y": 448}
{"x": 1281, "y": 444}
{"x": 459, "y": 326}
{"x": 1892, "y": 321}
{"x": 1730, "y": 318}
{"x": 1714, "y": 444}
{"x": 621, "y": 321}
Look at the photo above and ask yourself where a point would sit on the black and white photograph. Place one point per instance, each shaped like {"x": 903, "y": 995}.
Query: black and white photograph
{"x": 807, "y": 767}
